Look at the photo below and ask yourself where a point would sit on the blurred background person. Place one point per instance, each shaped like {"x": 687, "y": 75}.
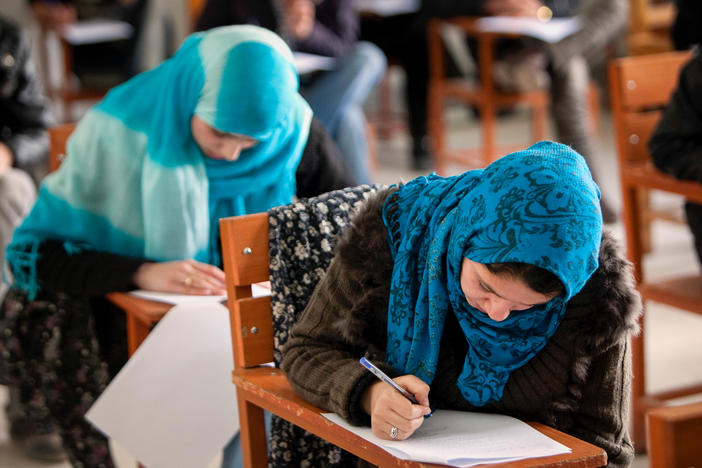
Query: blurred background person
{"x": 564, "y": 66}
{"x": 100, "y": 64}
{"x": 323, "y": 27}
{"x": 403, "y": 39}
{"x": 24, "y": 151}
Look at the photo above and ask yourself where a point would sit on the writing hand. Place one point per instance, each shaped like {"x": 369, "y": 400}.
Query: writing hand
{"x": 181, "y": 277}
{"x": 388, "y": 408}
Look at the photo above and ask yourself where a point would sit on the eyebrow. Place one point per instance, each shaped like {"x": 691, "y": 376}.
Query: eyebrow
{"x": 489, "y": 289}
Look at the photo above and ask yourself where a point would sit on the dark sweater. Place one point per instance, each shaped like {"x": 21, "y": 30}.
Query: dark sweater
{"x": 579, "y": 383}
{"x": 94, "y": 273}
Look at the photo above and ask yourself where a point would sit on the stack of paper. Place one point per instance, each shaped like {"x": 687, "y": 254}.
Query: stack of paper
{"x": 460, "y": 438}
{"x": 94, "y": 31}
{"x": 549, "y": 31}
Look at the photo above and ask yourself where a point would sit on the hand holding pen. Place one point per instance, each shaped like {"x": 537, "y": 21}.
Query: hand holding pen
{"x": 397, "y": 407}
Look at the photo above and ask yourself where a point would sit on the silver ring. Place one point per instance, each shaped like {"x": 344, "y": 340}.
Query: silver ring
{"x": 393, "y": 432}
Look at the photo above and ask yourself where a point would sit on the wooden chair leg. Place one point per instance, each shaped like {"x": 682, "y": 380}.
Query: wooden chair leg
{"x": 644, "y": 201}
{"x": 372, "y": 142}
{"x": 638, "y": 391}
{"x": 594, "y": 104}
{"x": 254, "y": 447}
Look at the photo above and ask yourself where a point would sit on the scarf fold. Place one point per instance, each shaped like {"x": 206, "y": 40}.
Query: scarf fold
{"x": 136, "y": 183}
{"x": 538, "y": 206}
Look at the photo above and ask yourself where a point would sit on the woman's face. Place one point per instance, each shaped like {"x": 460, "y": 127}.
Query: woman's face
{"x": 218, "y": 145}
{"x": 494, "y": 295}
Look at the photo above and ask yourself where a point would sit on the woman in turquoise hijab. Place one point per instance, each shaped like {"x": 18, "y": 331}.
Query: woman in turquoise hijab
{"x": 217, "y": 130}
{"x": 494, "y": 290}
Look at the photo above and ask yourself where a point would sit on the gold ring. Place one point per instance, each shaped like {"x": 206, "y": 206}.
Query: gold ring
{"x": 188, "y": 281}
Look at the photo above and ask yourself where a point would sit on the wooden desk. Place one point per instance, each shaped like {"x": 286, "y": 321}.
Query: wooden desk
{"x": 142, "y": 315}
{"x": 268, "y": 388}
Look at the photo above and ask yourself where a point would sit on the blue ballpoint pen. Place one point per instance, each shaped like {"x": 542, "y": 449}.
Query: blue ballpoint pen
{"x": 384, "y": 377}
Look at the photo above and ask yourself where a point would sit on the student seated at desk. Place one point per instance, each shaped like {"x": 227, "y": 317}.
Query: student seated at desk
{"x": 494, "y": 291}
{"x": 218, "y": 130}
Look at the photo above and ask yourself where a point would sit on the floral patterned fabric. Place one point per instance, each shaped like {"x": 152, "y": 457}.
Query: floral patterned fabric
{"x": 56, "y": 351}
{"x": 302, "y": 236}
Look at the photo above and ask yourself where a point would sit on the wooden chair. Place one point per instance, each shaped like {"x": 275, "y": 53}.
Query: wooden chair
{"x": 674, "y": 436}
{"x": 262, "y": 387}
{"x": 484, "y": 97}
{"x": 649, "y": 26}
{"x": 640, "y": 87}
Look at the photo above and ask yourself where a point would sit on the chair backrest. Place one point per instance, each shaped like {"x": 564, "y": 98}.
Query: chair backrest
{"x": 58, "y": 137}
{"x": 245, "y": 256}
{"x": 649, "y": 26}
{"x": 641, "y": 87}
{"x": 674, "y": 436}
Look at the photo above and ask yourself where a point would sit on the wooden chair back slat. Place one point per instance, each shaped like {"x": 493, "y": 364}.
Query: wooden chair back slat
{"x": 247, "y": 240}
{"x": 637, "y": 129}
{"x": 674, "y": 436}
{"x": 255, "y": 346}
{"x": 245, "y": 258}
{"x": 648, "y": 81}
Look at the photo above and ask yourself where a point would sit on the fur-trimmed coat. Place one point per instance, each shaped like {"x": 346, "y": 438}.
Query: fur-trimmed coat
{"x": 579, "y": 383}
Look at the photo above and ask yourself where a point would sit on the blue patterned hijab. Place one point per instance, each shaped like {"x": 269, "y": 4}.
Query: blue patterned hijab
{"x": 538, "y": 206}
{"x": 136, "y": 183}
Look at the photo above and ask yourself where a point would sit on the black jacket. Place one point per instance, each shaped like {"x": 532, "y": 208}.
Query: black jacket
{"x": 24, "y": 114}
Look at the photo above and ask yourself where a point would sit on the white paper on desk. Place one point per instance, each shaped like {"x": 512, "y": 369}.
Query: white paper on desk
{"x": 460, "y": 438}
{"x": 94, "y": 31}
{"x": 307, "y": 63}
{"x": 173, "y": 404}
{"x": 172, "y": 298}
{"x": 549, "y": 31}
{"x": 387, "y": 7}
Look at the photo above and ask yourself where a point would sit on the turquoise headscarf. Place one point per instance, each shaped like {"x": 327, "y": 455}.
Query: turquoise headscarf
{"x": 135, "y": 182}
{"x": 539, "y": 206}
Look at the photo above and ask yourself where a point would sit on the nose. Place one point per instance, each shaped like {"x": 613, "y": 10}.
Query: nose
{"x": 233, "y": 151}
{"x": 498, "y": 309}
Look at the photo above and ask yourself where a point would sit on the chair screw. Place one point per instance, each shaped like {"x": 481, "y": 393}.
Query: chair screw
{"x": 246, "y": 251}
{"x": 254, "y": 330}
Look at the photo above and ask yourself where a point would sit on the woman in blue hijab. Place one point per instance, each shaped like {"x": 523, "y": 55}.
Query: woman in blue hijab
{"x": 494, "y": 290}
{"x": 217, "y": 130}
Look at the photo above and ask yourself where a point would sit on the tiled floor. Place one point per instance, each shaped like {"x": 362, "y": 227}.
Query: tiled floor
{"x": 674, "y": 352}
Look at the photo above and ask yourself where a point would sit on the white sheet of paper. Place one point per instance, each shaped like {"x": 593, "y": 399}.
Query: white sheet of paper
{"x": 549, "y": 31}
{"x": 94, "y": 31}
{"x": 387, "y": 7}
{"x": 459, "y": 438}
{"x": 260, "y": 289}
{"x": 173, "y": 405}
{"x": 171, "y": 298}
{"x": 306, "y": 63}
